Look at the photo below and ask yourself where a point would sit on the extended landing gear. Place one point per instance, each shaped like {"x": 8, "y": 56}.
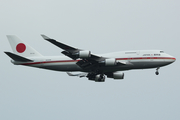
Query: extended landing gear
{"x": 96, "y": 77}
{"x": 157, "y": 72}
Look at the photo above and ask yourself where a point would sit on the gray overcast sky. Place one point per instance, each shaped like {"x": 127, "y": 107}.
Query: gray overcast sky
{"x": 100, "y": 26}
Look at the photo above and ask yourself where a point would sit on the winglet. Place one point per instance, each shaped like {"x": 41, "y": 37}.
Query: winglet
{"x": 45, "y": 37}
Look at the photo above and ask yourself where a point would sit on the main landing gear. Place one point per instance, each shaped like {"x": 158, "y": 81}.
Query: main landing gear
{"x": 157, "y": 72}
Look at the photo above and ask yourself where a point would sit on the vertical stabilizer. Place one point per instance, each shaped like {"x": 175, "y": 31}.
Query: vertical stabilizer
{"x": 21, "y": 48}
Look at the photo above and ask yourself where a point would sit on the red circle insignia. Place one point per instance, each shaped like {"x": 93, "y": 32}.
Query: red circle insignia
{"x": 20, "y": 47}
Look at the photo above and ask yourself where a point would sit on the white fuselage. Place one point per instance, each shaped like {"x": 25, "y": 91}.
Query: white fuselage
{"x": 140, "y": 59}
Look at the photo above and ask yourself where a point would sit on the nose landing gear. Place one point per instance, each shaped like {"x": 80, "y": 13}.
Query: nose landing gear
{"x": 157, "y": 72}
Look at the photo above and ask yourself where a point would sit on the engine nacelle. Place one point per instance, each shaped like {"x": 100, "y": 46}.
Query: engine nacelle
{"x": 84, "y": 54}
{"x": 116, "y": 75}
{"x": 110, "y": 62}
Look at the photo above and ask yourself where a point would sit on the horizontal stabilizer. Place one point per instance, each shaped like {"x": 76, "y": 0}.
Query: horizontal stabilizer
{"x": 17, "y": 57}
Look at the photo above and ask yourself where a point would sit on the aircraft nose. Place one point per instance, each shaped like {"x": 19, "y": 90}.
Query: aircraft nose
{"x": 172, "y": 59}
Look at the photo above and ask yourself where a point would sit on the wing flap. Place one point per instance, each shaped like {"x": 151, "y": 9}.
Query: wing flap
{"x": 79, "y": 74}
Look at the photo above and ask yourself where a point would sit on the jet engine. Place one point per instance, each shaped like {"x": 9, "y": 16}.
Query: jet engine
{"x": 84, "y": 54}
{"x": 116, "y": 75}
{"x": 110, "y": 62}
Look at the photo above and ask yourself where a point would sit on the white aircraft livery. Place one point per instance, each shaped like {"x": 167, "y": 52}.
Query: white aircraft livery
{"x": 94, "y": 67}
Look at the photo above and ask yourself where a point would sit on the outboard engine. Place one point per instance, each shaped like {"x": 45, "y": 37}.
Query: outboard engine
{"x": 84, "y": 54}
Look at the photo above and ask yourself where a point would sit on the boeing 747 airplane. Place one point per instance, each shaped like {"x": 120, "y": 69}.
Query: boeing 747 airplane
{"x": 93, "y": 66}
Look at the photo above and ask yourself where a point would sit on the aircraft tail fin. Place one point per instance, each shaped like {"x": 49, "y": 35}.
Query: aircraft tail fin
{"x": 21, "y": 48}
{"x": 17, "y": 57}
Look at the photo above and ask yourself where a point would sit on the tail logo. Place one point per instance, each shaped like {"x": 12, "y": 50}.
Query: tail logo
{"x": 21, "y": 47}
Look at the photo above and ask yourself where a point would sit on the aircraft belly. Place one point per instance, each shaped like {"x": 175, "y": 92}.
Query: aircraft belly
{"x": 148, "y": 64}
{"x": 115, "y": 68}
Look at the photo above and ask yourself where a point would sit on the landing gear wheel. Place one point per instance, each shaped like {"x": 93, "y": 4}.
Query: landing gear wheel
{"x": 102, "y": 78}
{"x": 157, "y": 73}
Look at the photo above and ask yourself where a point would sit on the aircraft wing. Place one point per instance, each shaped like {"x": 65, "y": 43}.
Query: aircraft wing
{"x": 58, "y": 44}
{"x": 68, "y": 50}
{"x": 88, "y": 60}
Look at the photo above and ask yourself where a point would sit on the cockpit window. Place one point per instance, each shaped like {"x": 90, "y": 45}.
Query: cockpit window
{"x": 161, "y": 51}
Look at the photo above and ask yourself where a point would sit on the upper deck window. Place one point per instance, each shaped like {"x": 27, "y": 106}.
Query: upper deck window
{"x": 161, "y": 51}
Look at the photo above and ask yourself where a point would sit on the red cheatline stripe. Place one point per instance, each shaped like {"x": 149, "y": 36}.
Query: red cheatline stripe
{"x": 50, "y": 62}
{"x": 145, "y": 58}
{"x": 66, "y": 61}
